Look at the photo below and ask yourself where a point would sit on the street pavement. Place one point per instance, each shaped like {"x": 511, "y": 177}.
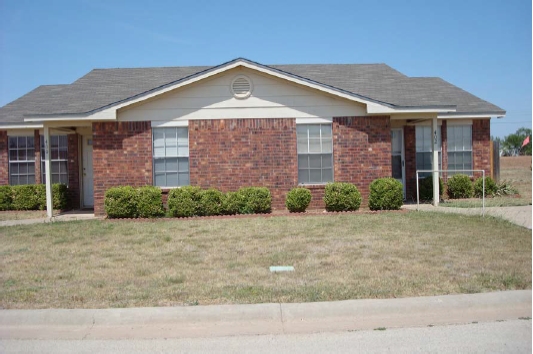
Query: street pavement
{"x": 513, "y": 336}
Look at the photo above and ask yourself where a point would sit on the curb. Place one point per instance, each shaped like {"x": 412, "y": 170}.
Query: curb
{"x": 260, "y": 319}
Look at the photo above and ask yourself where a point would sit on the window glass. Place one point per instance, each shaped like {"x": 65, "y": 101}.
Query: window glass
{"x": 58, "y": 159}
{"x": 424, "y": 154}
{"x": 460, "y": 148}
{"x": 315, "y": 153}
{"x": 171, "y": 156}
{"x": 21, "y": 160}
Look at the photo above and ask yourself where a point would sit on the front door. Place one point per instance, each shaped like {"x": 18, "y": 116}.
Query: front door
{"x": 87, "y": 168}
{"x": 398, "y": 159}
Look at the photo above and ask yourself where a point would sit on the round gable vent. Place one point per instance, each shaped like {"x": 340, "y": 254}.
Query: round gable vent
{"x": 241, "y": 86}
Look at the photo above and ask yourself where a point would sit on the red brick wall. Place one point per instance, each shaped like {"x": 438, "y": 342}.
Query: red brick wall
{"x": 233, "y": 153}
{"x": 361, "y": 150}
{"x": 4, "y": 159}
{"x": 481, "y": 146}
{"x": 73, "y": 170}
{"x": 122, "y": 155}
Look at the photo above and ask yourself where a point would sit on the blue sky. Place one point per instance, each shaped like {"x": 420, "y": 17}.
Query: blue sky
{"x": 481, "y": 46}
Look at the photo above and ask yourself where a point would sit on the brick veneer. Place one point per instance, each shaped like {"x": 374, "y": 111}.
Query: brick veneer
{"x": 122, "y": 155}
{"x": 232, "y": 153}
{"x": 4, "y": 159}
{"x": 481, "y": 146}
{"x": 361, "y": 150}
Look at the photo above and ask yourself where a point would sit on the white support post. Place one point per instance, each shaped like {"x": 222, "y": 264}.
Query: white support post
{"x": 435, "y": 164}
{"x": 47, "y": 169}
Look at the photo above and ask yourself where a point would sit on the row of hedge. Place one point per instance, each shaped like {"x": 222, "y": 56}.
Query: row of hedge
{"x": 32, "y": 197}
{"x": 459, "y": 186}
{"x": 146, "y": 202}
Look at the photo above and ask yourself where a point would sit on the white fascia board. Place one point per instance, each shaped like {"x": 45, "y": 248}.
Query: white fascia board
{"x": 168, "y": 124}
{"x": 95, "y": 116}
{"x": 21, "y": 126}
{"x": 468, "y": 116}
{"x": 376, "y": 109}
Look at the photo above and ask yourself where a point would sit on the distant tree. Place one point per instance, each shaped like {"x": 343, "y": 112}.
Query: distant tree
{"x": 512, "y": 143}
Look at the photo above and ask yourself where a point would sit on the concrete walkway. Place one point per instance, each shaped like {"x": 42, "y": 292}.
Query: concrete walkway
{"x": 67, "y": 216}
{"x": 519, "y": 215}
{"x": 274, "y": 318}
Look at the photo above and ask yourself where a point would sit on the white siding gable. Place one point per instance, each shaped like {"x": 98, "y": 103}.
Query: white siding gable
{"x": 213, "y": 99}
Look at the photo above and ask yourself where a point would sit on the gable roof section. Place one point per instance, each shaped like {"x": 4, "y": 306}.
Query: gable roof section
{"x": 379, "y": 83}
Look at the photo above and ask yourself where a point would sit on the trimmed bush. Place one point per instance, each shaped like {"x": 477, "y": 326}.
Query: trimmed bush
{"x": 460, "y": 186}
{"x": 255, "y": 200}
{"x": 6, "y": 198}
{"x": 211, "y": 202}
{"x": 184, "y": 201}
{"x": 385, "y": 194}
{"x": 490, "y": 187}
{"x": 26, "y": 197}
{"x": 59, "y": 196}
{"x": 298, "y": 200}
{"x": 121, "y": 202}
{"x": 340, "y": 196}
{"x": 232, "y": 203}
{"x": 149, "y": 203}
{"x": 425, "y": 187}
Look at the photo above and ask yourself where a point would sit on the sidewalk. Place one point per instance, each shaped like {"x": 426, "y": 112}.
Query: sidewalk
{"x": 273, "y": 318}
{"x": 518, "y": 215}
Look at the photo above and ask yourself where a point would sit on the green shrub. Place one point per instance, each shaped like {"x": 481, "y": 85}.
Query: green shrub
{"x": 59, "y": 196}
{"x": 298, "y": 200}
{"x": 184, "y": 201}
{"x": 211, "y": 202}
{"x": 340, "y": 196}
{"x": 121, "y": 202}
{"x": 26, "y": 197}
{"x": 385, "y": 194}
{"x": 149, "y": 203}
{"x": 460, "y": 186}
{"x": 425, "y": 187}
{"x": 490, "y": 187}
{"x": 505, "y": 188}
{"x": 255, "y": 200}
{"x": 232, "y": 203}
{"x": 6, "y": 197}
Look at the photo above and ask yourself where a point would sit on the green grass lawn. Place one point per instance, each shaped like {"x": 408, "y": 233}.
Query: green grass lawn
{"x": 99, "y": 264}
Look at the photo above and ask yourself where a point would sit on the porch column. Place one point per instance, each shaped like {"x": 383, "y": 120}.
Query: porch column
{"x": 48, "y": 174}
{"x": 435, "y": 162}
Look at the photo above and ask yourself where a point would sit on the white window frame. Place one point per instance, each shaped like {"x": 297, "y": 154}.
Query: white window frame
{"x": 29, "y": 161}
{"x": 308, "y": 154}
{"x": 56, "y": 164}
{"x": 465, "y": 149}
{"x": 426, "y": 149}
{"x": 168, "y": 154}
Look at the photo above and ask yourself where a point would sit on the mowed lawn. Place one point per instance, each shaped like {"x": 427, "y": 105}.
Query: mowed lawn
{"x": 517, "y": 171}
{"x": 98, "y": 264}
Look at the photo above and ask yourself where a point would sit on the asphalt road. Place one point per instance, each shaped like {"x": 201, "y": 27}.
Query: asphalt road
{"x": 512, "y": 336}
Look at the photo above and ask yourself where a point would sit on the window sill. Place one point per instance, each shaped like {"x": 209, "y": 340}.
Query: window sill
{"x": 313, "y": 186}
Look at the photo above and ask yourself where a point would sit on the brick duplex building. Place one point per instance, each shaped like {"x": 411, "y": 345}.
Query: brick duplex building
{"x": 241, "y": 124}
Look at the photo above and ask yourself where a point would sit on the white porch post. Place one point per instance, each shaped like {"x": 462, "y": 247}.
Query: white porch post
{"x": 47, "y": 168}
{"x": 435, "y": 163}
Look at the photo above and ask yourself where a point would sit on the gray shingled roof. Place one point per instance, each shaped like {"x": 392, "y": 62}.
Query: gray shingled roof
{"x": 105, "y": 87}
